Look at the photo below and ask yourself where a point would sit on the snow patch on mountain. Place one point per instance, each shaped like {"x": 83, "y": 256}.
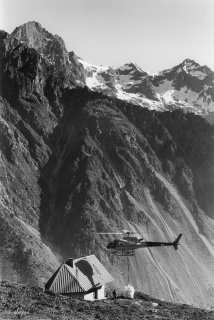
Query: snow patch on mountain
{"x": 99, "y": 78}
{"x": 198, "y": 74}
{"x": 137, "y": 99}
{"x": 185, "y": 97}
{"x": 163, "y": 87}
{"x": 188, "y": 86}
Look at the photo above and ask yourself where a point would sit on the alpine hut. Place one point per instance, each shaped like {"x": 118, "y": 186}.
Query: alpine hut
{"x": 80, "y": 278}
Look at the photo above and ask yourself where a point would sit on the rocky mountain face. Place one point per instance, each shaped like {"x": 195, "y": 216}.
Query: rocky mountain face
{"x": 75, "y": 162}
{"x": 51, "y": 48}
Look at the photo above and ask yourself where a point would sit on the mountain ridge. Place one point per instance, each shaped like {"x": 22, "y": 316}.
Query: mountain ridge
{"x": 75, "y": 162}
{"x": 167, "y": 90}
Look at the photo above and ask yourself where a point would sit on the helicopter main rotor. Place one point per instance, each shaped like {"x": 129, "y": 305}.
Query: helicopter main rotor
{"x": 121, "y": 232}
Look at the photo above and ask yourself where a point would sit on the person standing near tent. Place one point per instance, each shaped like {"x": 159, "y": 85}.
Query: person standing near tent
{"x": 114, "y": 295}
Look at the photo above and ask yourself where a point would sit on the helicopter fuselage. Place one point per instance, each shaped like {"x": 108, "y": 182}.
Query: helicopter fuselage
{"x": 129, "y": 245}
{"x": 125, "y": 245}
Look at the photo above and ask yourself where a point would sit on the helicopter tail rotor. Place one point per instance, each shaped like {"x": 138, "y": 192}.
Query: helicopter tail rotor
{"x": 176, "y": 242}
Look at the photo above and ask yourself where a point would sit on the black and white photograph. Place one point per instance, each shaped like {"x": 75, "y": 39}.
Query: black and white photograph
{"x": 107, "y": 159}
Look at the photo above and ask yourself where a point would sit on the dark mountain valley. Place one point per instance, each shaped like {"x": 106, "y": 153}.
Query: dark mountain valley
{"x": 76, "y": 161}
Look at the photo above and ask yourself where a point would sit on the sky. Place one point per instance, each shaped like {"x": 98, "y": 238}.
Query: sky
{"x": 155, "y": 34}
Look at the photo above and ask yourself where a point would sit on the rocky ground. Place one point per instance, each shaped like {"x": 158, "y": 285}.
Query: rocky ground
{"x": 26, "y": 302}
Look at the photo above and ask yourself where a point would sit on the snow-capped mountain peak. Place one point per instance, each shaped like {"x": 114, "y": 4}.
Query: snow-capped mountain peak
{"x": 99, "y": 78}
{"x": 188, "y": 85}
{"x": 194, "y": 69}
{"x": 189, "y": 63}
{"x": 131, "y": 66}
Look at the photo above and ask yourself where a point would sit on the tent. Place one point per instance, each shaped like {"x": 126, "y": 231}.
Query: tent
{"x": 80, "y": 278}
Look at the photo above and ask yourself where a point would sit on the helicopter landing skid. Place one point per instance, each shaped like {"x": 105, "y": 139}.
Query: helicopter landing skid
{"x": 123, "y": 253}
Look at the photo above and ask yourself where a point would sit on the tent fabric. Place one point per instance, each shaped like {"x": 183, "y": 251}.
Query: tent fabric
{"x": 85, "y": 274}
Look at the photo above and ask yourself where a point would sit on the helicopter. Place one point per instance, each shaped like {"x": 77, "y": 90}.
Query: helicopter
{"x": 128, "y": 244}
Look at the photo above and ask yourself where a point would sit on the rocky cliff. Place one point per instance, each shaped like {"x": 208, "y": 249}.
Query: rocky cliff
{"x": 75, "y": 162}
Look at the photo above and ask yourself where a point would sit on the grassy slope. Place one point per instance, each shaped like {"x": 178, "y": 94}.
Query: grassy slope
{"x": 24, "y": 302}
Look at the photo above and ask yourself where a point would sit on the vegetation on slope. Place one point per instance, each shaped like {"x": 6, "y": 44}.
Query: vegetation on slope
{"x": 27, "y": 302}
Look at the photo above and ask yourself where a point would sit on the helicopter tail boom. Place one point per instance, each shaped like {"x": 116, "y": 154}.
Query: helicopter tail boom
{"x": 176, "y": 242}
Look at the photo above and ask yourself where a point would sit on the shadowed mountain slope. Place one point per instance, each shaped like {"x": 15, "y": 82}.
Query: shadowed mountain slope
{"x": 75, "y": 162}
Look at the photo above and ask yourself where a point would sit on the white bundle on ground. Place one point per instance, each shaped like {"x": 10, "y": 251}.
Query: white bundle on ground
{"x": 129, "y": 291}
